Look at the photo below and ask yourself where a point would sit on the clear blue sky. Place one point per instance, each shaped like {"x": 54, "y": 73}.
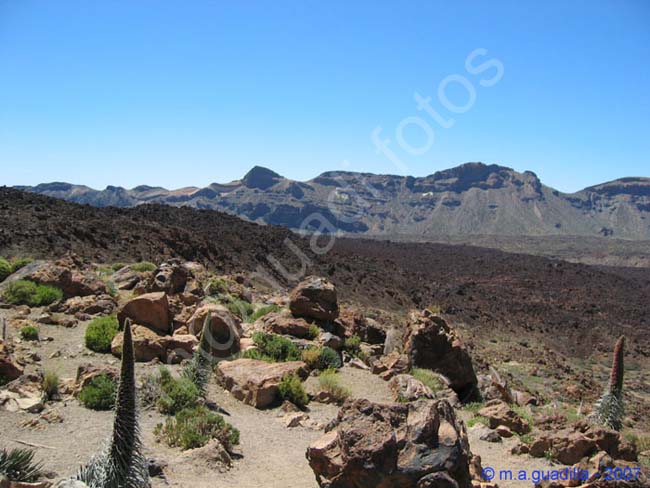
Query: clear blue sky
{"x": 178, "y": 93}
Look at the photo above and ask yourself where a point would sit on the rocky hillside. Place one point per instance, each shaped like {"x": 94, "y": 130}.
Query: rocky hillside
{"x": 469, "y": 200}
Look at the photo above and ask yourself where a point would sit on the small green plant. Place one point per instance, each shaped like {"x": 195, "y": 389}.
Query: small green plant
{"x": 291, "y": 389}
{"x": 24, "y": 292}
{"x": 610, "y": 408}
{"x": 262, "y": 311}
{"x": 199, "y": 368}
{"x": 29, "y": 333}
{"x": 330, "y": 381}
{"x": 526, "y": 438}
{"x": 321, "y": 358}
{"x": 428, "y": 377}
{"x": 195, "y": 427}
{"x": 275, "y": 347}
{"x": 100, "y": 333}
{"x": 99, "y": 393}
{"x": 238, "y": 307}
{"x": 118, "y": 266}
{"x": 18, "y": 465}
{"x": 640, "y": 441}
{"x": 143, "y": 267}
{"x": 51, "y": 384}
{"x": 524, "y": 413}
{"x": 352, "y": 346}
{"x": 20, "y": 263}
{"x": 474, "y": 407}
{"x": 434, "y": 309}
{"x": 313, "y": 332}
{"x": 216, "y": 287}
{"x": 478, "y": 419}
{"x": 5, "y": 269}
{"x": 176, "y": 393}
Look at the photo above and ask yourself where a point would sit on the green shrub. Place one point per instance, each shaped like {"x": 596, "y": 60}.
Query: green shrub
{"x": 5, "y": 269}
{"x": 329, "y": 381}
{"x": 100, "y": 333}
{"x": 291, "y": 389}
{"x": 237, "y": 306}
{"x": 321, "y": 358}
{"x": 216, "y": 287}
{"x": 29, "y": 333}
{"x": 24, "y": 292}
{"x": 99, "y": 393}
{"x": 478, "y": 420}
{"x": 143, "y": 267}
{"x": 195, "y": 427}
{"x": 352, "y": 346}
{"x": 428, "y": 377}
{"x": 20, "y": 263}
{"x": 262, "y": 311}
{"x": 18, "y": 465}
{"x": 118, "y": 266}
{"x": 176, "y": 393}
{"x": 474, "y": 407}
{"x": 314, "y": 332}
{"x": 275, "y": 347}
{"x": 51, "y": 385}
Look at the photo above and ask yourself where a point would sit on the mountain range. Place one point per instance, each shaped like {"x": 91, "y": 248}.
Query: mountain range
{"x": 470, "y": 199}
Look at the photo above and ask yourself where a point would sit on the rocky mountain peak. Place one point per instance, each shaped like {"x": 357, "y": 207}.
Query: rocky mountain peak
{"x": 261, "y": 178}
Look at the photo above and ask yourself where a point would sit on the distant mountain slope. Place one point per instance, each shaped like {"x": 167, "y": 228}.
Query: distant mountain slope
{"x": 471, "y": 199}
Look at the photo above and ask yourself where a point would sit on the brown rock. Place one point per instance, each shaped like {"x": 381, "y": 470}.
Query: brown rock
{"x": 226, "y": 329}
{"x": 170, "y": 277}
{"x": 499, "y": 413}
{"x": 68, "y": 274}
{"x": 432, "y": 344}
{"x": 147, "y": 345}
{"x": 180, "y": 346}
{"x": 414, "y": 445}
{"x": 23, "y": 394}
{"x": 9, "y": 368}
{"x": 256, "y": 382}
{"x": 151, "y": 309}
{"x": 314, "y": 298}
{"x": 90, "y": 305}
{"x": 388, "y": 366}
{"x": 126, "y": 278}
{"x": 369, "y": 330}
{"x": 284, "y": 323}
{"x": 405, "y": 388}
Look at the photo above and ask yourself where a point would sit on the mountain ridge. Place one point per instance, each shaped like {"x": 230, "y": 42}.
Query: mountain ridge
{"x": 470, "y": 199}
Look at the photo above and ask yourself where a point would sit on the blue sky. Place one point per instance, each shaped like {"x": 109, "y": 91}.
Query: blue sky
{"x": 179, "y": 93}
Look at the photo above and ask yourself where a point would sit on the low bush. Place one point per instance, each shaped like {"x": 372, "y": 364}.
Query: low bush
{"x": 24, "y": 292}
{"x": 478, "y": 419}
{"x": 216, "y": 287}
{"x": 5, "y": 269}
{"x": 329, "y": 381}
{"x": 176, "y": 394}
{"x": 275, "y": 348}
{"x": 262, "y": 311}
{"x": 29, "y": 333}
{"x": 321, "y": 358}
{"x": 352, "y": 346}
{"x": 100, "y": 333}
{"x": 291, "y": 389}
{"x": 314, "y": 332}
{"x": 195, "y": 427}
{"x": 18, "y": 465}
{"x": 51, "y": 385}
{"x": 20, "y": 263}
{"x": 143, "y": 267}
{"x": 99, "y": 393}
{"x": 428, "y": 377}
{"x": 238, "y": 307}
{"x": 118, "y": 266}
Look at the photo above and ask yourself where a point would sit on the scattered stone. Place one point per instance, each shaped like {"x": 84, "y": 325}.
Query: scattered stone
{"x": 504, "y": 431}
{"x": 151, "y": 309}
{"x": 358, "y": 364}
{"x": 213, "y": 456}
{"x": 388, "y": 366}
{"x": 156, "y": 467}
{"x": 432, "y": 344}
{"x": 499, "y": 413}
{"x": 408, "y": 445}
{"x": 292, "y": 420}
{"x": 256, "y": 382}
{"x": 367, "y": 329}
{"x": 314, "y": 298}
{"x": 491, "y": 436}
{"x": 330, "y": 340}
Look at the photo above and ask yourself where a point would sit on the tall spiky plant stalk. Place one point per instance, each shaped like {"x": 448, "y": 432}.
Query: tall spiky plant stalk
{"x": 122, "y": 464}
{"x": 610, "y": 409}
{"x": 198, "y": 370}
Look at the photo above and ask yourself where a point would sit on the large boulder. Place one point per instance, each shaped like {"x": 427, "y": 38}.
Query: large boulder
{"x": 69, "y": 274}
{"x": 430, "y": 343}
{"x": 371, "y": 445}
{"x": 150, "y": 309}
{"x": 314, "y": 298}
{"x": 147, "y": 345}
{"x": 256, "y": 382}
{"x": 405, "y": 388}
{"x": 368, "y": 329}
{"x": 170, "y": 277}
{"x": 9, "y": 368}
{"x": 23, "y": 394}
{"x": 226, "y": 329}
{"x": 285, "y": 324}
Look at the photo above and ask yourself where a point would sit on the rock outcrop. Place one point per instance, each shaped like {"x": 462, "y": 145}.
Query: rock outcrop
{"x": 432, "y": 344}
{"x": 314, "y": 298}
{"x": 150, "y": 309}
{"x": 414, "y": 445}
{"x": 256, "y": 382}
{"x": 226, "y": 329}
{"x": 69, "y": 274}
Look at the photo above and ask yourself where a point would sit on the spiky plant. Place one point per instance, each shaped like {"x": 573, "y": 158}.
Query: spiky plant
{"x": 121, "y": 464}
{"x": 19, "y": 465}
{"x": 610, "y": 409}
{"x": 199, "y": 368}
